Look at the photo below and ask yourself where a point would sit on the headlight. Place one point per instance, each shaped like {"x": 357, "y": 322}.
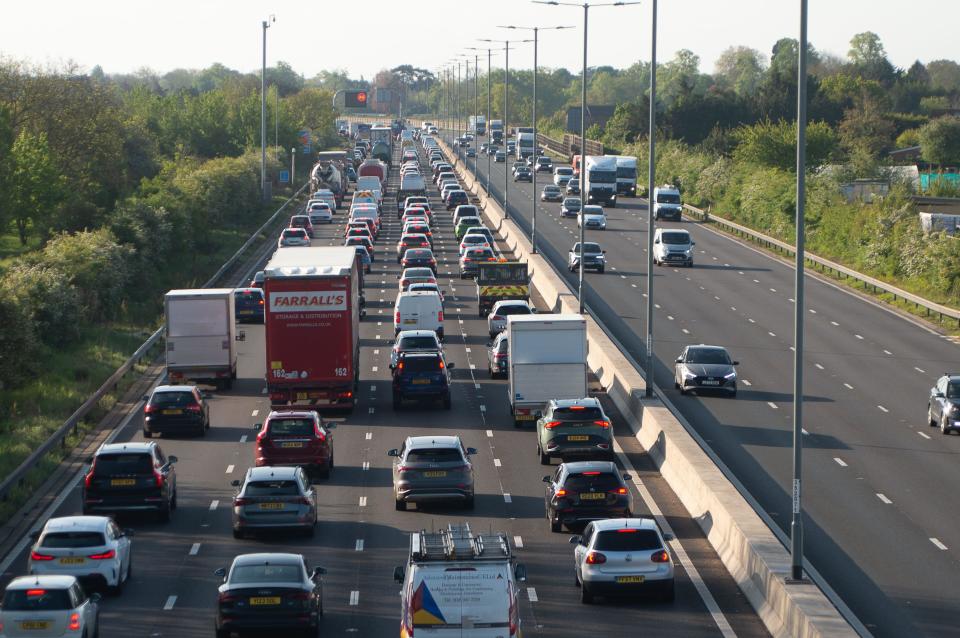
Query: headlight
{"x": 951, "y": 408}
{"x": 730, "y": 375}
{"x": 689, "y": 375}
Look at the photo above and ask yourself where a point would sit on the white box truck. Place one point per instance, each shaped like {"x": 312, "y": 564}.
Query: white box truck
{"x": 201, "y": 335}
{"x": 548, "y": 360}
{"x": 600, "y": 182}
{"x": 626, "y": 175}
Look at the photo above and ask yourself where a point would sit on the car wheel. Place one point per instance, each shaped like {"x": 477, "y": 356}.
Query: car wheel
{"x": 556, "y": 526}
{"x": 203, "y": 429}
{"x": 944, "y": 425}
{"x": 600, "y": 270}
{"x": 447, "y": 403}
{"x": 164, "y": 514}
{"x": 223, "y": 633}
{"x": 930, "y": 420}
{"x": 586, "y": 597}
{"x": 469, "y": 503}
{"x": 668, "y": 595}
{"x": 544, "y": 458}
{"x": 147, "y": 434}
{"x": 237, "y": 533}
{"x": 401, "y": 506}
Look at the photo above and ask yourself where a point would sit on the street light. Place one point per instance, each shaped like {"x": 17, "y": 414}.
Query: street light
{"x": 536, "y": 144}
{"x": 264, "y": 186}
{"x": 583, "y": 115}
{"x": 506, "y": 113}
{"x": 651, "y": 177}
{"x": 293, "y": 166}
{"x": 489, "y": 111}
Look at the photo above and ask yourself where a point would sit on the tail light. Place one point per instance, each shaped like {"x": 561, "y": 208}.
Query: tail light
{"x": 603, "y": 424}
{"x": 466, "y": 259}
{"x": 595, "y": 558}
{"x": 499, "y": 356}
{"x": 550, "y": 425}
{"x": 442, "y": 366}
{"x": 440, "y": 316}
{"x": 226, "y": 597}
{"x": 303, "y": 500}
{"x": 660, "y": 557}
{"x": 150, "y": 409}
{"x": 240, "y": 501}
{"x": 591, "y": 473}
{"x": 194, "y": 408}
{"x": 321, "y": 437}
{"x": 74, "y": 624}
{"x": 396, "y": 317}
{"x": 88, "y": 478}
{"x": 560, "y": 493}
{"x": 261, "y": 302}
{"x": 157, "y": 479}
{"x": 302, "y": 597}
{"x": 107, "y": 555}
{"x": 620, "y": 490}
{"x": 400, "y": 366}
{"x": 497, "y": 318}
{"x": 40, "y": 557}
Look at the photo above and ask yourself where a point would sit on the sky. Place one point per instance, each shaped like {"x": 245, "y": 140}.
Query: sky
{"x": 365, "y": 36}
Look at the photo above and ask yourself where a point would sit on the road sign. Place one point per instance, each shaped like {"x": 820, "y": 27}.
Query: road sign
{"x": 303, "y": 137}
{"x": 355, "y": 99}
{"x": 284, "y": 177}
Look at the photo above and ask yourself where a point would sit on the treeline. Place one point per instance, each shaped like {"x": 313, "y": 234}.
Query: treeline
{"x": 118, "y": 187}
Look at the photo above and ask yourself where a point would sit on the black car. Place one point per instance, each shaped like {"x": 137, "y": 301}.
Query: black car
{"x": 130, "y": 477}
{"x": 457, "y": 198}
{"x": 269, "y": 592}
{"x": 586, "y": 491}
{"x": 249, "y": 305}
{"x": 943, "y": 406}
{"x": 175, "y": 408}
{"x": 523, "y": 174}
{"x": 421, "y": 375}
{"x": 544, "y": 164}
{"x": 594, "y": 257}
{"x": 419, "y": 257}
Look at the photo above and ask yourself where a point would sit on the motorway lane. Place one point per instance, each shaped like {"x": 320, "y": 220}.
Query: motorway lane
{"x": 360, "y": 537}
{"x": 878, "y": 482}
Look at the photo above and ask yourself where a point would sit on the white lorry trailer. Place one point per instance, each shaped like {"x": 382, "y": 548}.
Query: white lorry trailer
{"x": 200, "y": 335}
{"x": 548, "y": 360}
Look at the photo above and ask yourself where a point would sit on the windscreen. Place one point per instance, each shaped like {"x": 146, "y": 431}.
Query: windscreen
{"x": 623, "y": 171}
{"x": 248, "y": 297}
{"x": 675, "y": 238}
{"x": 68, "y": 540}
{"x": 37, "y": 599}
{"x": 602, "y": 177}
{"x": 291, "y": 427}
{"x": 109, "y": 464}
{"x": 265, "y": 574}
{"x": 271, "y": 488}
{"x": 707, "y": 356}
{"x": 668, "y": 198}
{"x": 627, "y": 540}
{"x": 514, "y": 309}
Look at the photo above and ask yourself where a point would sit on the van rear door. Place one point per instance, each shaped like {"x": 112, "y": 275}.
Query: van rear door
{"x": 464, "y": 601}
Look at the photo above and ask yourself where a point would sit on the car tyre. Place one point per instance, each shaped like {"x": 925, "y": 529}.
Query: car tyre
{"x": 930, "y": 420}
{"x": 401, "y": 505}
{"x": 944, "y": 428}
{"x": 668, "y": 595}
{"x": 544, "y": 458}
{"x": 556, "y": 526}
{"x": 396, "y": 401}
{"x": 147, "y": 434}
{"x": 223, "y": 633}
{"x": 586, "y": 597}
{"x": 237, "y": 534}
{"x": 203, "y": 430}
{"x": 468, "y": 504}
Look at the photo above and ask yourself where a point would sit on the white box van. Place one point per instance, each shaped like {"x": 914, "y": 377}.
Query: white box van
{"x": 418, "y": 310}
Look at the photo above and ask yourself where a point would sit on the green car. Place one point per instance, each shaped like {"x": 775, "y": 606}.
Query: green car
{"x": 464, "y": 223}
{"x": 574, "y": 427}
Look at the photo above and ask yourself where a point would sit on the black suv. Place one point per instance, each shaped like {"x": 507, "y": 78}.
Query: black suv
{"x": 175, "y": 408}
{"x": 130, "y": 477}
{"x": 586, "y": 491}
{"x": 421, "y": 375}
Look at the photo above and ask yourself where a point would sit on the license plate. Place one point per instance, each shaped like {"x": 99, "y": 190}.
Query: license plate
{"x": 173, "y": 411}
{"x": 265, "y": 600}
{"x": 34, "y": 624}
{"x": 709, "y": 382}
{"x": 421, "y": 381}
{"x": 524, "y": 417}
{"x": 630, "y": 579}
{"x": 292, "y": 444}
{"x": 409, "y": 322}
{"x": 71, "y": 560}
{"x": 578, "y": 437}
{"x": 593, "y": 496}
{"x": 122, "y": 482}
{"x": 437, "y": 474}
{"x": 271, "y": 506}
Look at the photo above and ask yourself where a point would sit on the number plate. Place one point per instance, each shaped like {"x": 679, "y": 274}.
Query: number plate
{"x": 578, "y": 437}
{"x": 524, "y": 417}
{"x": 421, "y": 381}
{"x": 34, "y": 624}
{"x": 173, "y": 411}
{"x": 630, "y": 579}
{"x": 436, "y": 474}
{"x": 709, "y": 382}
{"x": 265, "y": 600}
{"x": 71, "y": 560}
{"x": 292, "y": 444}
{"x": 122, "y": 482}
{"x": 593, "y": 496}
{"x": 271, "y": 506}
{"x": 409, "y": 322}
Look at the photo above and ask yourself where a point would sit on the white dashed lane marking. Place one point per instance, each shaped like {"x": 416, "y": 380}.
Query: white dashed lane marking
{"x": 171, "y": 601}
{"x": 772, "y": 405}
{"x": 839, "y": 461}
{"x": 229, "y": 470}
{"x": 884, "y": 499}
{"x": 195, "y": 549}
{"x": 214, "y": 504}
{"x": 936, "y": 543}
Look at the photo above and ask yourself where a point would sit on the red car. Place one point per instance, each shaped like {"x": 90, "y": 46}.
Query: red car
{"x": 302, "y": 221}
{"x": 291, "y": 437}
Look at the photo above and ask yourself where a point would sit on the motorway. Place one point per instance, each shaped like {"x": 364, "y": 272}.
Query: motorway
{"x": 360, "y": 537}
{"x": 880, "y": 486}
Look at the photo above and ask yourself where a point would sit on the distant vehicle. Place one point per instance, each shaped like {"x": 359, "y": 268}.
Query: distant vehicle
{"x": 525, "y": 145}
{"x": 471, "y": 152}
{"x": 91, "y": 548}
{"x": 131, "y": 477}
{"x": 499, "y": 281}
{"x": 544, "y": 164}
{"x": 464, "y": 223}
{"x": 414, "y": 276}
{"x": 499, "y": 156}
{"x": 364, "y": 241}
{"x": 478, "y": 124}
{"x": 364, "y": 256}
{"x": 562, "y": 175}
{"x": 456, "y": 197}
{"x": 418, "y": 311}
{"x": 250, "y": 305}
{"x": 666, "y": 202}
{"x": 471, "y": 258}
{"x": 943, "y": 406}
{"x": 474, "y": 240}
{"x": 496, "y": 131}
{"x": 672, "y": 247}
{"x": 432, "y": 469}
{"x": 200, "y": 331}
{"x": 523, "y": 174}
{"x": 176, "y": 408}
{"x": 320, "y": 213}
{"x": 274, "y": 590}
{"x": 257, "y": 281}
{"x": 601, "y": 180}
{"x": 302, "y": 221}
{"x": 274, "y": 498}
{"x": 419, "y": 257}
{"x": 704, "y": 367}
{"x": 291, "y": 237}
{"x": 584, "y": 491}
{"x": 551, "y": 193}
{"x": 411, "y": 240}
{"x": 623, "y": 556}
{"x": 49, "y": 606}
{"x": 626, "y": 175}
{"x": 465, "y": 210}
{"x": 572, "y": 187}
{"x": 594, "y": 257}
{"x": 570, "y": 207}
{"x": 592, "y": 217}
{"x": 498, "y": 356}
{"x": 295, "y": 438}
{"x": 422, "y": 376}
{"x": 574, "y": 428}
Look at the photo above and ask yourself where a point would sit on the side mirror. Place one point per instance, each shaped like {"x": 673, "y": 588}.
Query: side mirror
{"x": 363, "y": 314}
{"x": 318, "y": 571}
{"x": 520, "y": 572}
{"x": 329, "y": 425}
{"x": 128, "y": 531}
{"x": 34, "y": 535}
{"x": 398, "y": 574}
{"x": 679, "y": 360}
{"x": 547, "y": 479}
{"x": 393, "y": 452}
{"x": 604, "y": 252}
{"x": 471, "y": 450}
{"x": 533, "y": 311}
{"x": 538, "y": 414}
{"x": 656, "y": 241}
{"x": 693, "y": 243}
{"x": 258, "y": 426}
{"x": 398, "y": 276}
{"x": 667, "y": 536}
{"x": 489, "y": 344}
{"x": 575, "y": 539}
{"x": 451, "y": 366}
{"x": 626, "y": 477}
{"x": 938, "y": 394}
{"x": 736, "y": 363}
{"x": 235, "y": 482}
{"x": 172, "y": 459}
{"x": 220, "y": 572}
{"x": 145, "y": 397}
{"x": 95, "y": 597}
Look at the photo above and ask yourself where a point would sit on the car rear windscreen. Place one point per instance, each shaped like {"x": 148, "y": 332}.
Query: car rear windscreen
{"x": 408, "y": 343}
{"x": 578, "y": 413}
{"x": 435, "y": 455}
{"x": 627, "y": 540}
{"x": 514, "y": 309}
{"x": 271, "y": 488}
{"x": 248, "y": 297}
{"x": 603, "y": 482}
{"x": 173, "y": 399}
{"x": 291, "y": 427}
{"x": 130, "y": 463}
{"x": 265, "y": 574}
{"x": 65, "y": 540}
{"x": 36, "y": 599}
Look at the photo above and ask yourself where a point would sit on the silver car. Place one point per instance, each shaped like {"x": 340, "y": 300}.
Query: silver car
{"x": 622, "y": 556}
{"x": 431, "y": 469}
{"x": 497, "y": 319}
{"x": 293, "y": 237}
{"x": 48, "y": 606}
{"x": 703, "y": 367}
{"x": 272, "y": 497}
{"x": 92, "y": 548}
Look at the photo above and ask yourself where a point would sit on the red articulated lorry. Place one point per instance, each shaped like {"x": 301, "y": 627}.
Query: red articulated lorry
{"x": 313, "y": 327}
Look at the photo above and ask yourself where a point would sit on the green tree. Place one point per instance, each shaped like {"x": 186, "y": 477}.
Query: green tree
{"x": 870, "y": 58}
{"x": 940, "y": 141}
{"x": 944, "y": 75}
{"x": 34, "y": 183}
{"x": 741, "y": 69}
{"x": 774, "y": 144}
{"x": 864, "y": 132}
{"x": 17, "y": 344}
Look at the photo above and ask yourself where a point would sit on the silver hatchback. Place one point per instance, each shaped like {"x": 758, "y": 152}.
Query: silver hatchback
{"x": 272, "y": 497}
{"x": 431, "y": 469}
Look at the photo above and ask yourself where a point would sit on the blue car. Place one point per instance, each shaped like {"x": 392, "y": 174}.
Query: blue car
{"x": 249, "y": 305}
{"x": 364, "y": 258}
{"x": 421, "y": 376}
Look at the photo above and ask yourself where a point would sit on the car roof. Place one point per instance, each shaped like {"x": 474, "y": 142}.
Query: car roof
{"x": 260, "y": 558}
{"x": 587, "y": 402}
{"x": 417, "y": 271}
{"x": 608, "y": 524}
{"x": 579, "y": 467}
{"x": 511, "y": 302}
{"x": 266, "y": 472}
{"x": 416, "y": 333}
{"x": 144, "y": 447}
{"x": 296, "y": 414}
{"x": 48, "y": 581}
{"x": 77, "y": 523}
{"x": 706, "y": 347}
{"x": 187, "y": 388}
{"x": 432, "y": 441}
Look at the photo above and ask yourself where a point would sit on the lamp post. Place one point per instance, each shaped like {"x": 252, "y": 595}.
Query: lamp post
{"x": 536, "y": 146}
{"x": 293, "y": 166}
{"x": 264, "y": 186}
{"x": 583, "y": 115}
{"x": 489, "y": 111}
{"x": 651, "y": 178}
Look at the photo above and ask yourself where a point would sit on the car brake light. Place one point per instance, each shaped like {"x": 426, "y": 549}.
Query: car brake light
{"x": 240, "y": 501}
{"x": 577, "y": 407}
{"x": 620, "y": 490}
{"x": 660, "y": 557}
{"x": 595, "y": 558}
{"x": 627, "y": 530}
{"x": 466, "y": 259}
{"x": 149, "y": 409}
{"x": 74, "y": 622}
{"x": 497, "y": 318}
{"x": 103, "y": 556}
{"x": 158, "y": 478}
{"x": 396, "y": 317}
{"x": 440, "y": 316}
{"x": 226, "y": 597}
{"x": 194, "y": 408}
{"x": 400, "y": 366}
{"x": 591, "y": 473}
{"x": 603, "y": 424}
{"x": 441, "y": 364}
{"x": 38, "y": 556}
{"x": 88, "y": 478}
{"x": 551, "y": 424}
{"x": 561, "y": 492}
{"x": 33, "y": 593}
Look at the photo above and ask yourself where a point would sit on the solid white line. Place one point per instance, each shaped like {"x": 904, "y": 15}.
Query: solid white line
{"x": 812, "y": 311}
{"x": 255, "y": 413}
{"x": 733, "y": 308}
{"x": 366, "y": 465}
{"x": 229, "y": 470}
{"x": 369, "y": 435}
{"x": 195, "y": 549}
{"x": 883, "y": 498}
{"x": 772, "y": 404}
{"x": 476, "y": 386}
{"x": 359, "y": 546}
{"x": 171, "y": 601}
{"x": 670, "y": 317}
{"x": 532, "y": 594}
{"x": 924, "y": 435}
{"x": 354, "y": 598}
{"x": 518, "y": 542}
{"x": 751, "y": 320}
{"x": 883, "y": 409}
{"x": 243, "y": 439}
{"x": 496, "y": 462}
{"x": 938, "y": 544}
{"x": 467, "y": 349}
{"x": 685, "y": 331}
{"x": 507, "y": 498}
{"x": 839, "y": 461}
{"x": 773, "y": 290}
{"x": 363, "y": 501}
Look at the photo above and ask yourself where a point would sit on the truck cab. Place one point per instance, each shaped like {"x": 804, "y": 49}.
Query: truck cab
{"x": 600, "y": 181}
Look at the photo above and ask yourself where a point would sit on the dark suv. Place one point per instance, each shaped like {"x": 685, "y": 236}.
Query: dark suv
{"x": 130, "y": 477}
{"x": 421, "y": 375}
{"x": 175, "y": 408}
{"x": 249, "y": 305}
{"x": 291, "y": 437}
{"x": 586, "y": 491}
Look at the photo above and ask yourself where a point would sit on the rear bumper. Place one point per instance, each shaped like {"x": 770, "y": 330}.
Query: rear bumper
{"x": 578, "y": 516}
{"x": 433, "y": 495}
{"x": 609, "y": 586}
{"x": 267, "y": 621}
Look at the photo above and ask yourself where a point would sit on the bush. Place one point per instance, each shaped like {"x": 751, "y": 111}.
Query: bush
{"x": 48, "y": 300}
{"x": 18, "y": 344}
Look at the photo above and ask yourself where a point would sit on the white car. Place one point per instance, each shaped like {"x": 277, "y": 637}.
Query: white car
{"x": 562, "y": 175}
{"x": 48, "y": 606}
{"x": 621, "y": 555}
{"x": 320, "y": 212}
{"x": 326, "y": 195}
{"x": 592, "y": 217}
{"x": 473, "y": 240}
{"x": 293, "y": 237}
{"x": 497, "y": 319}
{"x": 92, "y": 548}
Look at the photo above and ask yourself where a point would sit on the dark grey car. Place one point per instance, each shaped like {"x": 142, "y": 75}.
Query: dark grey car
{"x": 272, "y": 497}
{"x": 703, "y": 367}
{"x": 943, "y": 407}
{"x": 593, "y": 257}
{"x": 432, "y": 469}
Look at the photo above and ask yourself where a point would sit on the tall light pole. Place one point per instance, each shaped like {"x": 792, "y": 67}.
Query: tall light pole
{"x": 293, "y": 166}
{"x": 796, "y": 521}
{"x": 264, "y": 186}
{"x": 651, "y": 177}
{"x": 536, "y": 146}
{"x": 489, "y": 111}
{"x": 583, "y": 119}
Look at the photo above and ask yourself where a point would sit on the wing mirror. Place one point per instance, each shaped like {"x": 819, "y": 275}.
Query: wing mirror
{"x": 546, "y": 479}
{"x": 471, "y": 450}
{"x": 736, "y": 363}
{"x": 318, "y": 571}
{"x": 667, "y": 536}
{"x": 520, "y": 572}
{"x": 235, "y": 482}
{"x": 575, "y": 539}
{"x": 172, "y": 459}
{"x": 258, "y": 426}
{"x": 451, "y": 366}
{"x": 626, "y": 477}
{"x": 679, "y": 360}
{"x": 220, "y": 572}
{"x": 393, "y": 452}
